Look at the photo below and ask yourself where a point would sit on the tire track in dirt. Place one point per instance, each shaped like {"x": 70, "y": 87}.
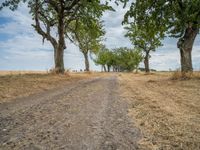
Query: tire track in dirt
{"x": 87, "y": 115}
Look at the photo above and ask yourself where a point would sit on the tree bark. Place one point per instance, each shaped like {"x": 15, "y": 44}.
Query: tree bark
{"x": 114, "y": 69}
{"x": 59, "y": 45}
{"x": 87, "y": 65}
{"x": 185, "y": 45}
{"x": 146, "y": 62}
{"x": 59, "y": 62}
{"x": 108, "y": 68}
{"x": 104, "y": 67}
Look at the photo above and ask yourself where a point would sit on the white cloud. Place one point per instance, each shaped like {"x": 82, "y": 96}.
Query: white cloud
{"x": 114, "y": 29}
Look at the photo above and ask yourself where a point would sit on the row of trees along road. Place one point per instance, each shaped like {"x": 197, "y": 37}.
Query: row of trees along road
{"x": 146, "y": 22}
{"x": 120, "y": 59}
{"x": 174, "y": 18}
{"x": 55, "y": 17}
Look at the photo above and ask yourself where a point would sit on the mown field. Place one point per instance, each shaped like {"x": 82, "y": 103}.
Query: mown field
{"x": 167, "y": 111}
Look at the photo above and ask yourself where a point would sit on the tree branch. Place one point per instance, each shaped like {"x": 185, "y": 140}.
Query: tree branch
{"x": 38, "y": 28}
{"x": 75, "y": 2}
{"x": 53, "y": 4}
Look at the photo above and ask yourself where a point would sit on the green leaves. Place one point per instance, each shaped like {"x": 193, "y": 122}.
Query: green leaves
{"x": 87, "y": 31}
{"x": 12, "y": 4}
{"x": 123, "y": 58}
{"x": 128, "y": 59}
{"x": 145, "y": 38}
{"x": 102, "y": 56}
{"x": 170, "y": 17}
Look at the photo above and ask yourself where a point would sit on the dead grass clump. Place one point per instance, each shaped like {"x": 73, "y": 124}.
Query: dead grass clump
{"x": 196, "y": 75}
{"x": 88, "y": 72}
{"x": 178, "y": 75}
{"x": 151, "y": 81}
{"x": 149, "y": 73}
{"x": 120, "y": 74}
{"x": 67, "y": 74}
{"x": 53, "y": 71}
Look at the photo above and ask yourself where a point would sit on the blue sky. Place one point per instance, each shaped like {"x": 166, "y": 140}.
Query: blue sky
{"x": 21, "y": 47}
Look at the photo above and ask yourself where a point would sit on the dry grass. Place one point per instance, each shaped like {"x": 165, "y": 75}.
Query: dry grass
{"x": 19, "y": 84}
{"x": 3, "y": 73}
{"x": 178, "y": 75}
{"x": 167, "y": 111}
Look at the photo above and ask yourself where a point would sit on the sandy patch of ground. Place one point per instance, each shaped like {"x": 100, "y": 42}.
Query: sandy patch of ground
{"x": 167, "y": 111}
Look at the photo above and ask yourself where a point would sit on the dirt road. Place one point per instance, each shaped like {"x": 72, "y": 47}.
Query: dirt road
{"x": 88, "y": 115}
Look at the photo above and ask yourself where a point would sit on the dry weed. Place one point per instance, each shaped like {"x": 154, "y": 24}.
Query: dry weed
{"x": 178, "y": 75}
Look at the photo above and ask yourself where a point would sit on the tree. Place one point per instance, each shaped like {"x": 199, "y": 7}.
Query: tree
{"x": 102, "y": 57}
{"x": 121, "y": 59}
{"x": 128, "y": 59}
{"x": 88, "y": 38}
{"x": 57, "y": 15}
{"x": 174, "y": 18}
{"x": 144, "y": 39}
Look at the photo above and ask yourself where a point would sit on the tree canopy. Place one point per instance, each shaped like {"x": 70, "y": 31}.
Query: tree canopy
{"x": 54, "y": 17}
{"x": 144, "y": 39}
{"x": 174, "y": 18}
{"x": 88, "y": 37}
{"x": 120, "y": 59}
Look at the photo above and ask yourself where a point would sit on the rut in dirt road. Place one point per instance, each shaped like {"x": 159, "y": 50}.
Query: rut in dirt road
{"x": 88, "y": 115}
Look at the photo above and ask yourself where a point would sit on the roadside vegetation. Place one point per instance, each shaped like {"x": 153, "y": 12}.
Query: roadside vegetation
{"x": 167, "y": 111}
{"x": 21, "y": 84}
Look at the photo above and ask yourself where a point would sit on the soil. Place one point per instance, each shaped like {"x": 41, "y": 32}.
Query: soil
{"x": 89, "y": 114}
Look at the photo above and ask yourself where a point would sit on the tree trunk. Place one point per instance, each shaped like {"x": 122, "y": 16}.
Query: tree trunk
{"x": 87, "y": 65}
{"x": 146, "y": 62}
{"x": 114, "y": 69}
{"x": 185, "y": 45}
{"x": 59, "y": 62}
{"x": 104, "y": 67}
{"x": 108, "y": 68}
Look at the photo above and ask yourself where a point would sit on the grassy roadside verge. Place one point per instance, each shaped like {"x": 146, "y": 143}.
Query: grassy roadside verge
{"x": 14, "y": 85}
{"x": 167, "y": 111}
